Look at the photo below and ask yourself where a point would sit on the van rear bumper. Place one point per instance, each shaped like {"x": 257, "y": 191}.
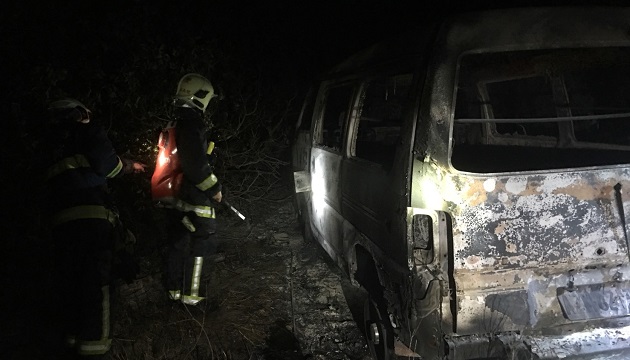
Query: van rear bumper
{"x": 605, "y": 343}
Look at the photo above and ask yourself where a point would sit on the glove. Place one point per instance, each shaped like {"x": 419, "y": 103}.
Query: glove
{"x": 131, "y": 166}
{"x": 214, "y": 192}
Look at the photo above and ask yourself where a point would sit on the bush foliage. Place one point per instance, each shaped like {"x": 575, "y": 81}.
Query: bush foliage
{"x": 124, "y": 63}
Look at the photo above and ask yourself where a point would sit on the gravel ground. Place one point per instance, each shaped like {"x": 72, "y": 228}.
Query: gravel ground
{"x": 273, "y": 296}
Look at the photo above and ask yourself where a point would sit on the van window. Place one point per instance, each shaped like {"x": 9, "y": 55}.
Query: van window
{"x": 307, "y": 111}
{"x": 380, "y": 118}
{"x": 542, "y": 109}
{"x": 337, "y": 105}
{"x": 536, "y": 101}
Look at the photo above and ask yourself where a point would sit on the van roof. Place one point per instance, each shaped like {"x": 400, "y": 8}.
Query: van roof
{"x": 408, "y": 44}
{"x": 496, "y": 27}
{"x": 538, "y": 27}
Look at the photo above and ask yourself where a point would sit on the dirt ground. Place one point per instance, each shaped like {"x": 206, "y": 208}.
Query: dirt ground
{"x": 273, "y": 296}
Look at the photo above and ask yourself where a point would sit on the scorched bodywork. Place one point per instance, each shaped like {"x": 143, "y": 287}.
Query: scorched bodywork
{"x": 475, "y": 179}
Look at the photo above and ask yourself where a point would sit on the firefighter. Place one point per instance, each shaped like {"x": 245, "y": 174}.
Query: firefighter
{"x": 192, "y": 224}
{"x": 84, "y": 223}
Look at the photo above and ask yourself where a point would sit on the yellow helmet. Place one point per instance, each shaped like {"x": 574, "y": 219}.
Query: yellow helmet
{"x": 194, "y": 90}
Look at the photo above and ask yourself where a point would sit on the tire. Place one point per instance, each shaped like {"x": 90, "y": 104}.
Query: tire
{"x": 378, "y": 330}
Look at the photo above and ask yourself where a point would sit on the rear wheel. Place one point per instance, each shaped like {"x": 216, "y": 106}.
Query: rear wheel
{"x": 378, "y": 330}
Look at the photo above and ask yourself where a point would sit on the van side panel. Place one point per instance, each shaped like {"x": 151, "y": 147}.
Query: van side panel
{"x": 326, "y": 205}
{"x": 521, "y": 242}
{"x": 365, "y": 190}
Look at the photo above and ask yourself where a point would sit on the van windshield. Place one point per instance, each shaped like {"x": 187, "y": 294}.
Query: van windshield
{"x": 542, "y": 109}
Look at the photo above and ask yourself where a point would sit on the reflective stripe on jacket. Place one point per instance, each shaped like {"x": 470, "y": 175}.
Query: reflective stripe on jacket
{"x": 99, "y": 347}
{"x": 209, "y": 182}
{"x": 81, "y": 161}
{"x": 76, "y": 162}
{"x": 84, "y": 212}
{"x": 199, "y": 210}
{"x": 69, "y": 163}
{"x": 85, "y": 158}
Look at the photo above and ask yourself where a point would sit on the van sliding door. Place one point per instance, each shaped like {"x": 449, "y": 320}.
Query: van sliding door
{"x": 329, "y": 135}
{"x": 373, "y": 188}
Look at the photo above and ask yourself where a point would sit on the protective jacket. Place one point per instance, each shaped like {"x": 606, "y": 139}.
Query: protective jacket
{"x": 83, "y": 223}
{"x": 199, "y": 184}
{"x": 83, "y": 159}
{"x": 192, "y": 223}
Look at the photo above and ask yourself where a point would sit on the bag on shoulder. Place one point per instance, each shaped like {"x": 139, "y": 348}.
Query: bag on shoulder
{"x": 167, "y": 177}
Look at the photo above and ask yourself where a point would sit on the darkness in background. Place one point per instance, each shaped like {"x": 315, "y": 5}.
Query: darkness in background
{"x": 284, "y": 38}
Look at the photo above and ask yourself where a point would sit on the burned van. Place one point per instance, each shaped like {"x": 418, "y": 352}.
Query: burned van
{"x": 475, "y": 180}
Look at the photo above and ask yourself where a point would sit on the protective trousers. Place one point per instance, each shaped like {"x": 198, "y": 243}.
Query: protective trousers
{"x": 191, "y": 238}
{"x": 84, "y": 251}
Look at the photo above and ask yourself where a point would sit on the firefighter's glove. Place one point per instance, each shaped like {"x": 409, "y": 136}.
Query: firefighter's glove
{"x": 214, "y": 193}
{"x": 217, "y": 197}
{"x": 131, "y": 166}
{"x": 138, "y": 167}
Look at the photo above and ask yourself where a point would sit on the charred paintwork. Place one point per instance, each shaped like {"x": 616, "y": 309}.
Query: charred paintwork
{"x": 504, "y": 264}
{"x": 533, "y": 221}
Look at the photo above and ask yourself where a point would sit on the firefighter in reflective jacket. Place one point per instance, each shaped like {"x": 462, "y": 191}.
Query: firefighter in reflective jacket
{"x": 81, "y": 159}
{"x": 192, "y": 223}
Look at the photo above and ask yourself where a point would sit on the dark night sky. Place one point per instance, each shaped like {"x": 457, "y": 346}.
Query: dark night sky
{"x": 327, "y": 27}
{"x": 285, "y": 39}
{"x": 281, "y": 37}
{"x": 310, "y": 35}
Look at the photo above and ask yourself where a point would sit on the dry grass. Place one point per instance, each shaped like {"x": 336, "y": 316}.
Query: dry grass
{"x": 246, "y": 295}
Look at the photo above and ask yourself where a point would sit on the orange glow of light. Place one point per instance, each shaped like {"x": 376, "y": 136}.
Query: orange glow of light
{"x": 162, "y": 158}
